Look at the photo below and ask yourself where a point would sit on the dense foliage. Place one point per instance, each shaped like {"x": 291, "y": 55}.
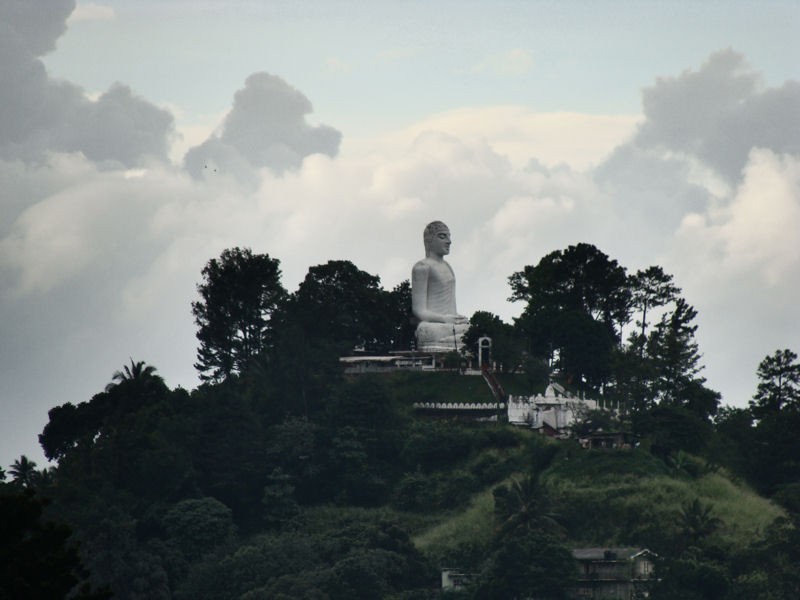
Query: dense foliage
{"x": 279, "y": 477}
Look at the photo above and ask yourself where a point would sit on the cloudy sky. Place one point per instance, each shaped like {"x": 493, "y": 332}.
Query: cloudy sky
{"x": 138, "y": 139}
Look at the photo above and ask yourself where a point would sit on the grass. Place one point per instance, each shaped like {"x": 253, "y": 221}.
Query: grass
{"x": 744, "y": 514}
{"x": 613, "y": 498}
{"x": 639, "y": 501}
{"x": 411, "y": 386}
{"x": 472, "y": 526}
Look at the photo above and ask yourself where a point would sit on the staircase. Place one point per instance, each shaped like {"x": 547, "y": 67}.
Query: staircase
{"x": 497, "y": 390}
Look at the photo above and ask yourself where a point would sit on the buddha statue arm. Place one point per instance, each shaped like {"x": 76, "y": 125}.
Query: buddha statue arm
{"x": 420, "y": 276}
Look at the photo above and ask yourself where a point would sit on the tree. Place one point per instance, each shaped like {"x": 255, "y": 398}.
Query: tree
{"x": 239, "y": 293}
{"x": 342, "y": 304}
{"x": 37, "y": 559}
{"x": 674, "y": 352}
{"x": 506, "y": 345}
{"x": 523, "y": 507}
{"x": 528, "y": 566}
{"x": 578, "y": 300}
{"x": 138, "y": 372}
{"x": 23, "y": 472}
{"x": 403, "y": 328}
{"x": 579, "y": 278}
{"x": 779, "y": 384}
{"x": 651, "y": 288}
{"x": 697, "y": 521}
{"x": 199, "y": 525}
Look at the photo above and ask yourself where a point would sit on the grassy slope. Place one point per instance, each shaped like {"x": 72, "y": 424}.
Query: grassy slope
{"x": 604, "y": 498}
{"x": 616, "y": 498}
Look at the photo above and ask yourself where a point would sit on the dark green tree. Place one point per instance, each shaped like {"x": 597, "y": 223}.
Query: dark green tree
{"x": 579, "y": 278}
{"x": 528, "y": 566}
{"x": 138, "y": 372}
{"x": 671, "y": 429}
{"x": 524, "y": 507}
{"x": 651, "y": 288}
{"x": 577, "y": 302}
{"x": 239, "y": 293}
{"x": 697, "y": 522}
{"x": 37, "y": 558}
{"x": 692, "y": 578}
{"x": 23, "y": 472}
{"x": 398, "y": 302}
{"x": 779, "y": 384}
{"x": 199, "y": 525}
{"x": 278, "y": 499}
{"x": 675, "y": 356}
{"x": 342, "y": 304}
{"x": 70, "y": 426}
{"x": 767, "y": 568}
{"x": 507, "y": 347}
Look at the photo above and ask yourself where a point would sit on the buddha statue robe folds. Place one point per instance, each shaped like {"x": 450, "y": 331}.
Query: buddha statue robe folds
{"x": 433, "y": 295}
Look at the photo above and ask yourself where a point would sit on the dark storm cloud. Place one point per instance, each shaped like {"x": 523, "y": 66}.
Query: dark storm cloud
{"x": 719, "y": 113}
{"x": 38, "y": 114}
{"x": 265, "y": 128}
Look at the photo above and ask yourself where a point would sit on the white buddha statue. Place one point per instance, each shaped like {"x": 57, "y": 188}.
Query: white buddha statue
{"x": 433, "y": 295}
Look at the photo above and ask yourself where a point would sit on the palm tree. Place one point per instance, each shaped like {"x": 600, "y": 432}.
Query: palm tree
{"x": 138, "y": 371}
{"x": 23, "y": 472}
{"x": 697, "y": 522}
{"x": 524, "y": 506}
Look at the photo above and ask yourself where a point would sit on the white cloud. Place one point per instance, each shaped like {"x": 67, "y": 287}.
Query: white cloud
{"x": 91, "y": 12}
{"x": 99, "y": 262}
{"x": 519, "y": 133}
{"x": 754, "y": 236}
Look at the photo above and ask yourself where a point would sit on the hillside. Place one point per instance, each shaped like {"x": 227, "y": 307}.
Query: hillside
{"x": 616, "y": 498}
{"x": 338, "y": 489}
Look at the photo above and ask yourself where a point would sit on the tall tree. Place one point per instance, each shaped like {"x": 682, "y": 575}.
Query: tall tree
{"x": 674, "y": 352}
{"x": 779, "y": 384}
{"x": 239, "y": 293}
{"x": 651, "y": 288}
{"x": 343, "y": 304}
{"x": 579, "y": 278}
{"x": 23, "y": 472}
{"x": 398, "y": 301}
{"x": 578, "y": 301}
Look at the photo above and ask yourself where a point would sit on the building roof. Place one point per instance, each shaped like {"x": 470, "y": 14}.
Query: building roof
{"x": 608, "y": 553}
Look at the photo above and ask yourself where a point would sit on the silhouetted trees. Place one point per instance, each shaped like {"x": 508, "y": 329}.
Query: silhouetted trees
{"x": 281, "y": 477}
{"x": 239, "y": 293}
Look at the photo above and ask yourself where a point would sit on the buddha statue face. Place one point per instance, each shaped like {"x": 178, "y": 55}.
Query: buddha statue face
{"x": 437, "y": 239}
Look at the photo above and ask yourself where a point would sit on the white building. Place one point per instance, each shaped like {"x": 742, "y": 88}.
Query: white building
{"x": 554, "y": 412}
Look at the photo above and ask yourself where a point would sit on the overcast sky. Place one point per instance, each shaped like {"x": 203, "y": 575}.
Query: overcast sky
{"x": 138, "y": 139}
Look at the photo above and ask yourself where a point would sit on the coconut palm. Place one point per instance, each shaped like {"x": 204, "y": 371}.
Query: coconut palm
{"x": 138, "y": 371}
{"x": 23, "y": 472}
{"x": 697, "y": 521}
{"x": 524, "y": 506}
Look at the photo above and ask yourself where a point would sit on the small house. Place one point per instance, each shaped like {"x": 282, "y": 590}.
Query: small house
{"x": 613, "y": 573}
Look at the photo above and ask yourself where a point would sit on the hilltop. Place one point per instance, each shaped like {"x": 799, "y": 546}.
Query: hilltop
{"x": 209, "y": 495}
